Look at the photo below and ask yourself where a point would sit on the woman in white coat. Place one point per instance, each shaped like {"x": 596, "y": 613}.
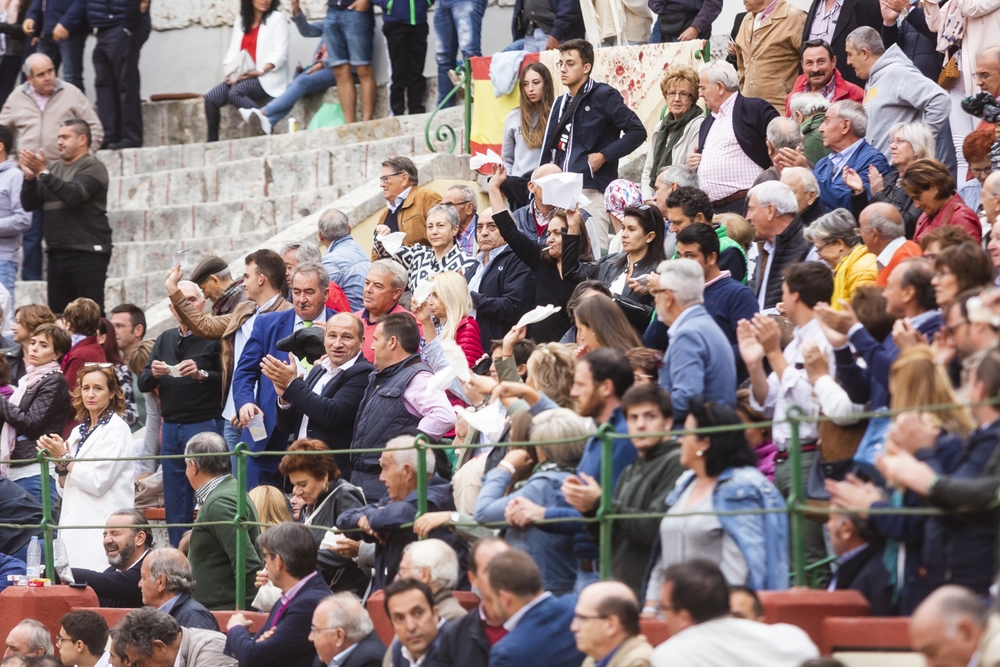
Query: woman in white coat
{"x": 262, "y": 32}
{"x": 93, "y": 490}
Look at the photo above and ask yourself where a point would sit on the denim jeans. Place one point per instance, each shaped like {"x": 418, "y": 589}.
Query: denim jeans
{"x": 8, "y": 276}
{"x": 178, "y": 496}
{"x": 31, "y": 246}
{"x": 68, "y": 53}
{"x": 232, "y": 435}
{"x": 458, "y": 28}
{"x": 349, "y": 36}
{"x": 536, "y": 41}
{"x": 303, "y": 84}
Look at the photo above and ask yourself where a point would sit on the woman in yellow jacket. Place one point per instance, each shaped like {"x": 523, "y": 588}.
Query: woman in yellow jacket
{"x": 838, "y": 243}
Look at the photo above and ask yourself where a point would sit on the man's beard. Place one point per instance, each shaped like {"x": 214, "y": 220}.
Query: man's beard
{"x": 124, "y": 554}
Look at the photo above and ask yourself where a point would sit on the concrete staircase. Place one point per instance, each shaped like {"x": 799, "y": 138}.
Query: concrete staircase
{"x": 230, "y": 197}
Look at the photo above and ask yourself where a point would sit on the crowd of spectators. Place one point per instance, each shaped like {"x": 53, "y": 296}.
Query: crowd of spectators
{"x": 812, "y": 245}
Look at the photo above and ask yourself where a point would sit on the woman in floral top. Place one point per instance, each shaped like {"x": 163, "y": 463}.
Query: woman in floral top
{"x": 442, "y": 255}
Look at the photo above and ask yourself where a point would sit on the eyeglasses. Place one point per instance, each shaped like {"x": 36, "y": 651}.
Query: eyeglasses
{"x": 639, "y": 377}
{"x": 60, "y": 639}
{"x": 981, "y": 171}
{"x": 385, "y": 179}
{"x": 584, "y": 617}
{"x": 983, "y": 76}
{"x": 950, "y": 329}
{"x": 316, "y": 630}
{"x": 680, "y": 94}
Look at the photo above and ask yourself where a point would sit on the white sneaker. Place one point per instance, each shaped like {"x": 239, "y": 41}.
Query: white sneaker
{"x": 265, "y": 124}
{"x": 245, "y": 114}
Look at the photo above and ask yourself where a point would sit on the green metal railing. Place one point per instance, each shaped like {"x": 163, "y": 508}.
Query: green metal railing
{"x": 797, "y": 507}
{"x": 445, "y": 132}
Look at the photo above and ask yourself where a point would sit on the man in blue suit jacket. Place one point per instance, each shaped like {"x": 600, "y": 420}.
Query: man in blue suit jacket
{"x": 537, "y": 623}
{"x": 324, "y": 404}
{"x": 699, "y": 358}
{"x": 843, "y": 131}
{"x": 290, "y": 561}
{"x": 251, "y": 390}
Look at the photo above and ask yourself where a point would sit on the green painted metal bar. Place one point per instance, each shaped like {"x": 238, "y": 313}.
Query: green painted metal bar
{"x": 47, "y": 521}
{"x": 421, "y": 443}
{"x": 605, "y": 509}
{"x": 796, "y": 499}
{"x": 241, "y": 528}
{"x": 468, "y": 105}
{"x": 446, "y": 132}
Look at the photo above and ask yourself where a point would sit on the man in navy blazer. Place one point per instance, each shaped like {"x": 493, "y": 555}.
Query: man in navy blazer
{"x": 324, "y": 404}
{"x": 499, "y": 283}
{"x": 537, "y": 623}
{"x": 251, "y": 390}
{"x": 290, "y": 562}
{"x": 745, "y": 120}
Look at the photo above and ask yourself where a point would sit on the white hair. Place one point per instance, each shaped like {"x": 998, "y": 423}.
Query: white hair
{"x": 918, "y": 135}
{"x": 808, "y": 104}
{"x": 30, "y": 61}
{"x": 853, "y": 112}
{"x": 201, "y": 295}
{"x": 344, "y": 610}
{"x": 681, "y": 174}
{"x": 402, "y": 452}
{"x": 685, "y": 278}
{"x": 719, "y": 71}
{"x": 776, "y": 194}
{"x": 806, "y": 178}
{"x": 439, "y": 559}
{"x": 393, "y": 270}
{"x": 784, "y": 133}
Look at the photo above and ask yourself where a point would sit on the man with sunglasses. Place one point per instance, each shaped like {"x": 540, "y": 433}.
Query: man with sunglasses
{"x": 407, "y": 203}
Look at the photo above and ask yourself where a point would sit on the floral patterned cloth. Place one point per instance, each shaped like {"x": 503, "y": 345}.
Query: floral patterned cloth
{"x": 620, "y": 195}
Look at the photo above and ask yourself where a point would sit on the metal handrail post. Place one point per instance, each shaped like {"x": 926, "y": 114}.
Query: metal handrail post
{"x": 47, "y": 520}
{"x": 239, "y": 521}
{"x": 796, "y": 498}
{"x": 605, "y": 509}
{"x": 421, "y": 443}
{"x": 467, "y": 100}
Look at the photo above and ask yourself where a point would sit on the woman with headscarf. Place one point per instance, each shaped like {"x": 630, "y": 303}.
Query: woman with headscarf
{"x": 620, "y": 195}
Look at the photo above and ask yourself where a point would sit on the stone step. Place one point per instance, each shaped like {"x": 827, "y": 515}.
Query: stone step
{"x": 270, "y": 176}
{"x": 134, "y": 161}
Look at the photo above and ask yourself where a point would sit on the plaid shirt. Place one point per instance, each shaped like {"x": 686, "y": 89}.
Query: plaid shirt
{"x": 234, "y": 295}
{"x": 201, "y": 495}
{"x": 725, "y": 169}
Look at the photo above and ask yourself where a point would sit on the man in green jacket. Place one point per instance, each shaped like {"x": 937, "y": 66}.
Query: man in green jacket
{"x": 212, "y": 551}
{"x": 642, "y": 487}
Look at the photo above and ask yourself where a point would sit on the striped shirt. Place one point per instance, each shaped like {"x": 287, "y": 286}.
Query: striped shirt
{"x": 725, "y": 169}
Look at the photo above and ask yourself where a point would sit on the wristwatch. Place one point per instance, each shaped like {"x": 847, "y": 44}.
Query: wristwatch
{"x": 44, "y": 172}
{"x": 455, "y": 517}
{"x": 204, "y": 375}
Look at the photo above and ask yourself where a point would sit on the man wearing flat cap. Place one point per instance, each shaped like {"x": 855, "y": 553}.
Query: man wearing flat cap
{"x": 217, "y": 284}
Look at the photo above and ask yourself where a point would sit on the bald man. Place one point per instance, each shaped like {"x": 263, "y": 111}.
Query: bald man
{"x": 606, "y": 622}
{"x": 467, "y": 641}
{"x": 166, "y": 584}
{"x": 947, "y": 626}
{"x": 988, "y": 62}
{"x": 884, "y": 234}
{"x": 533, "y": 219}
{"x": 323, "y": 405}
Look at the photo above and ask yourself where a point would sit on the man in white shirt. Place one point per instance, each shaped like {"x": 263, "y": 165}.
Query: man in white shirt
{"x": 695, "y": 606}
{"x": 805, "y": 285}
{"x": 323, "y": 405}
{"x": 82, "y": 638}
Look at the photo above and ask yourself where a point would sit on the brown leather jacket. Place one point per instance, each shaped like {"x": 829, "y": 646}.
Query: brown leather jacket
{"x": 221, "y": 327}
{"x": 413, "y": 215}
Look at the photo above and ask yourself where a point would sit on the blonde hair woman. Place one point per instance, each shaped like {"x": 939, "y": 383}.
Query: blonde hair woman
{"x": 271, "y": 505}
{"x": 445, "y": 314}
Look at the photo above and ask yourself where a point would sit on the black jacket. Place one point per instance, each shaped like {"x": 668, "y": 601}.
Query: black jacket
{"x": 184, "y": 400}
{"x": 789, "y": 247}
{"x": 602, "y": 123}
{"x": 892, "y": 193}
{"x": 568, "y": 22}
{"x": 918, "y": 42}
{"x": 43, "y": 409}
{"x": 750, "y": 118}
{"x": 192, "y": 614}
{"x": 367, "y": 653}
{"x": 340, "y": 573}
{"x": 331, "y": 414}
{"x": 638, "y": 308}
{"x": 505, "y": 293}
{"x": 853, "y": 14}
{"x": 114, "y": 588}
{"x": 463, "y": 643}
{"x": 15, "y": 358}
{"x": 865, "y": 572}
{"x": 17, "y": 507}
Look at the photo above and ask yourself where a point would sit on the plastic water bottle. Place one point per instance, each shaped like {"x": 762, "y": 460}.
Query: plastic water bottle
{"x": 34, "y": 559}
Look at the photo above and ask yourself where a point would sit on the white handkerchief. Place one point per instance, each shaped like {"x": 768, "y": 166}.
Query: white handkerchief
{"x": 174, "y": 373}
{"x": 488, "y": 421}
{"x": 443, "y": 378}
{"x": 392, "y": 242}
{"x": 456, "y": 359}
{"x": 536, "y": 314}
{"x": 331, "y": 539}
{"x": 422, "y": 291}
{"x": 562, "y": 190}
{"x": 478, "y": 161}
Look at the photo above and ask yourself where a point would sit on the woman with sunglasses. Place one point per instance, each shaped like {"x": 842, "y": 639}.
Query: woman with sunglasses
{"x": 751, "y": 549}
{"x": 624, "y": 273}
{"x": 92, "y": 490}
{"x": 39, "y": 405}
